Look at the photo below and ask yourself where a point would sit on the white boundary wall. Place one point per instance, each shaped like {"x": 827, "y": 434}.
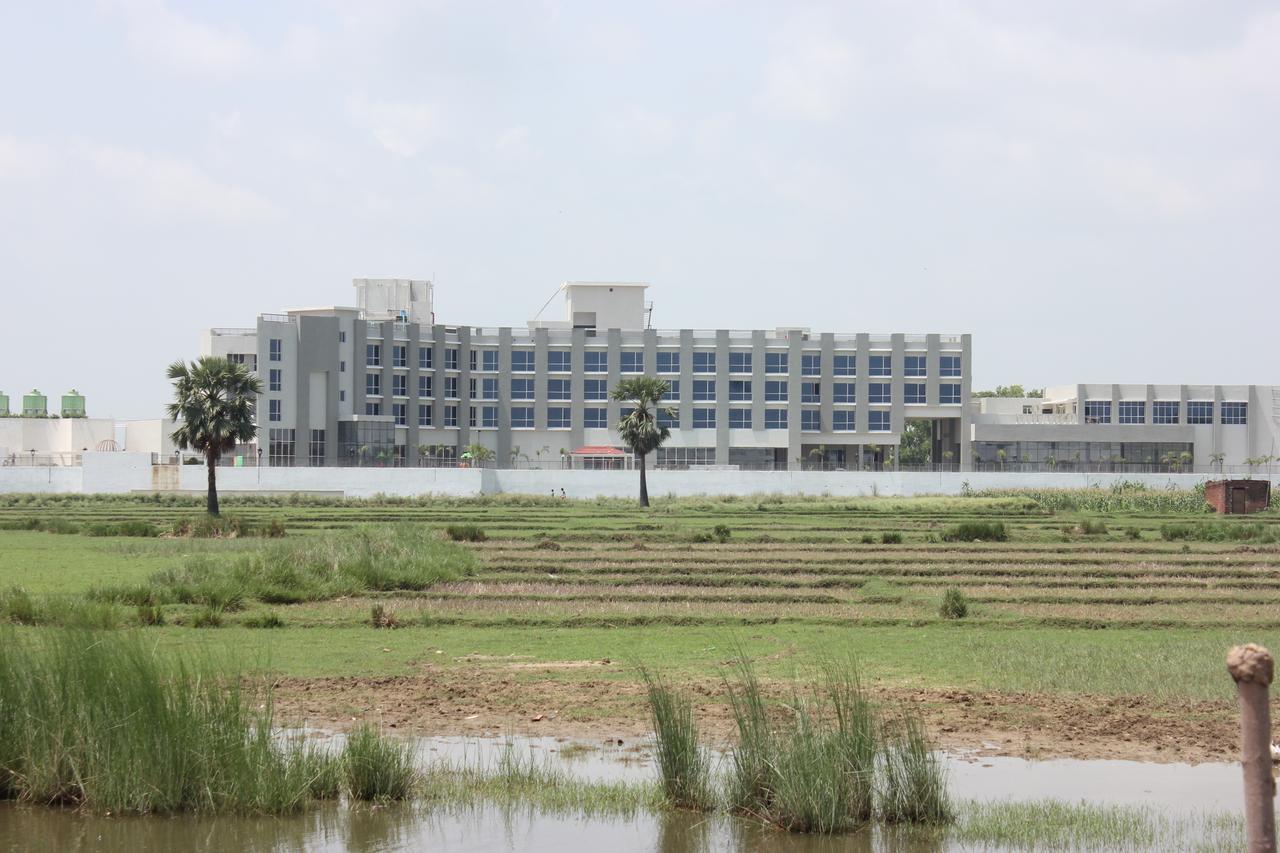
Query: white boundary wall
{"x": 117, "y": 473}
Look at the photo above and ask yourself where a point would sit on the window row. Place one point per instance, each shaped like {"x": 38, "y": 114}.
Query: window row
{"x": 1165, "y": 412}
{"x": 561, "y": 417}
{"x": 631, "y": 361}
{"x": 704, "y": 390}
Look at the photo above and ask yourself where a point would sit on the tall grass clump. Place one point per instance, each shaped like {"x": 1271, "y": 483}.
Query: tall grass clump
{"x": 1093, "y": 527}
{"x": 100, "y": 721}
{"x": 684, "y": 765}
{"x": 465, "y": 533}
{"x": 815, "y": 771}
{"x": 913, "y": 785}
{"x": 314, "y": 568}
{"x": 1218, "y": 531}
{"x": 377, "y": 768}
{"x": 954, "y": 604}
{"x": 976, "y": 531}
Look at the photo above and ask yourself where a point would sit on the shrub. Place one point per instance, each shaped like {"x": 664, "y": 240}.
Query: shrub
{"x": 891, "y": 538}
{"x": 868, "y": 539}
{"x": 465, "y": 533}
{"x": 383, "y": 617}
{"x": 976, "y": 531}
{"x": 1217, "y": 531}
{"x": 207, "y": 618}
{"x": 17, "y": 606}
{"x": 376, "y": 768}
{"x": 1133, "y": 533}
{"x": 954, "y": 604}
{"x": 1093, "y": 527}
{"x": 270, "y": 619}
{"x": 721, "y": 532}
{"x": 150, "y": 615}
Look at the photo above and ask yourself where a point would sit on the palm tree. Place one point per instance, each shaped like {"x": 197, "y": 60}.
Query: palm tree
{"x": 640, "y": 429}
{"x": 216, "y": 402}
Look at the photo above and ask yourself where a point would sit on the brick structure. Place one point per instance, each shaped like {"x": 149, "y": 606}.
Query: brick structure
{"x": 1230, "y": 497}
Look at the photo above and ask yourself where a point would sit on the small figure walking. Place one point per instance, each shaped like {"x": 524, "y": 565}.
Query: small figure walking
{"x": 563, "y": 496}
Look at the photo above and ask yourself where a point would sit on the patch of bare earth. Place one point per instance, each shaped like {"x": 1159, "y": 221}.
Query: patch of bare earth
{"x": 588, "y": 700}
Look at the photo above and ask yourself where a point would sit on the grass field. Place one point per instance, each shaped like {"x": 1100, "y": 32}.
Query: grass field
{"x": 1119, "y": 594}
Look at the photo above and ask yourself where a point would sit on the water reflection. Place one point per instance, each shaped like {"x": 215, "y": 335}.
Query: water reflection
{"x": 375, "y": 830}
{"x": 1177, "y": 789}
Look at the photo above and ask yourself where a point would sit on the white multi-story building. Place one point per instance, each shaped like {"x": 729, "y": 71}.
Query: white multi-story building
{"x": 386, "y": 383}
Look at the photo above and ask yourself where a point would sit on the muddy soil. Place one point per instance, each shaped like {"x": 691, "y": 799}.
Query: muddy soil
{"x": 588, "y": 700}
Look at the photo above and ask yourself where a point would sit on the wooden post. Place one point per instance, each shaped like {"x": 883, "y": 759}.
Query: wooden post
{"x": 1252, "y": 668}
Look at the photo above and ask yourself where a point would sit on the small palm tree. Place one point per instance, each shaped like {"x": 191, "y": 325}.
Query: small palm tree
{"x": 215, "y": 402}
{"x": 640, "y": 429}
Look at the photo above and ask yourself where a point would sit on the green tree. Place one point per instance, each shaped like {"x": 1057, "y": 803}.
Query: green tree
{"x": 917, "y": 443}
{"x": 214, "y": 404}
{"x": 1012, "y": 391}
{"x": 640, "y": 429}
{"x": 478, "y": 453}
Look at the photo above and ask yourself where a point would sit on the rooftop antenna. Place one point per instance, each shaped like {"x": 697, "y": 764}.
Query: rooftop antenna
{"x": 548, "y": 302}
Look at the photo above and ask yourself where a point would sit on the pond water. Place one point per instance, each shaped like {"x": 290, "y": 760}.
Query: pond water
{"x": 1177, "y": 789}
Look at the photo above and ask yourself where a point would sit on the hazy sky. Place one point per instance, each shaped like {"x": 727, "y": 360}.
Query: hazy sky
{"x": 1091, "y": 190}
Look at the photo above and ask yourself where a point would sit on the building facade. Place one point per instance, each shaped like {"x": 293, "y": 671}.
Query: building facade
{"x": 1131, "y": 427}
{"x": 385, "y": 383}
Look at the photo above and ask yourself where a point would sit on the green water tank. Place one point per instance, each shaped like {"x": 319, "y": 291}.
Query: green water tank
{"x": 73, "y": 404}
{"x": 4, "y": 405}
{"x": 35, "y": 404}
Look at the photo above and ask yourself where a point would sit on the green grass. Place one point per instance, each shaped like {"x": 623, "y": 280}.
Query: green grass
{"x": 362, "y": 559}
{"x": 377, "y": 768}
{"x": 815, "y": 770}
{"x": 684, "y": 764}
{"x": 98, "y": 720}
{"x": 1058, "y": 825}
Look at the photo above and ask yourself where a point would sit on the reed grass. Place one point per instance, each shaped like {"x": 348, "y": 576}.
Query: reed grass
{"x": 377, "y": 768}
{"x": 98, "y": 720}
{"x": 684, "y": 764}
{"x": 913, "y": 787}
{"x": 815, "y": 772}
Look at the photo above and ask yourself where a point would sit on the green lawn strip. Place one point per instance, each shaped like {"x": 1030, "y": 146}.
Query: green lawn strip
{"x": 1173, "y": 663}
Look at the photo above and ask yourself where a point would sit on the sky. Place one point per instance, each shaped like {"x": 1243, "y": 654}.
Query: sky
{"x": 1090, "y": 189}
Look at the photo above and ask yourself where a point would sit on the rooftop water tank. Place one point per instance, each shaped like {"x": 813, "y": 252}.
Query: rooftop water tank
{"x": 35, "y": 404}
{"x": 73, "y": 404}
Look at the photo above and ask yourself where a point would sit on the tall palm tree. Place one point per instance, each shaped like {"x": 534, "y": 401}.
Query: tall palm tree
{"x": 640, "y": 429}
{"x": 214, "y": 403}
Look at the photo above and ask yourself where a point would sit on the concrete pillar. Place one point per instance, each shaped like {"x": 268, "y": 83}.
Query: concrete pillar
{"x": 722, "y": 397}
{"x": 826, "y": 381}
{"x": 862, "y": 366}
{"x": 757, "y": 379}
{"x": 685, "y": 408}
{"x": 577, "y": 388}
{"x": 505, "y": 440}
{"x": 898, "y": 410}
{"x": 795, "y": 437}
{"x": 613, "y": 338}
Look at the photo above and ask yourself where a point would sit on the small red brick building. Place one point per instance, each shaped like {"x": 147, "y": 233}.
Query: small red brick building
{"x": 1234, "y": 497}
